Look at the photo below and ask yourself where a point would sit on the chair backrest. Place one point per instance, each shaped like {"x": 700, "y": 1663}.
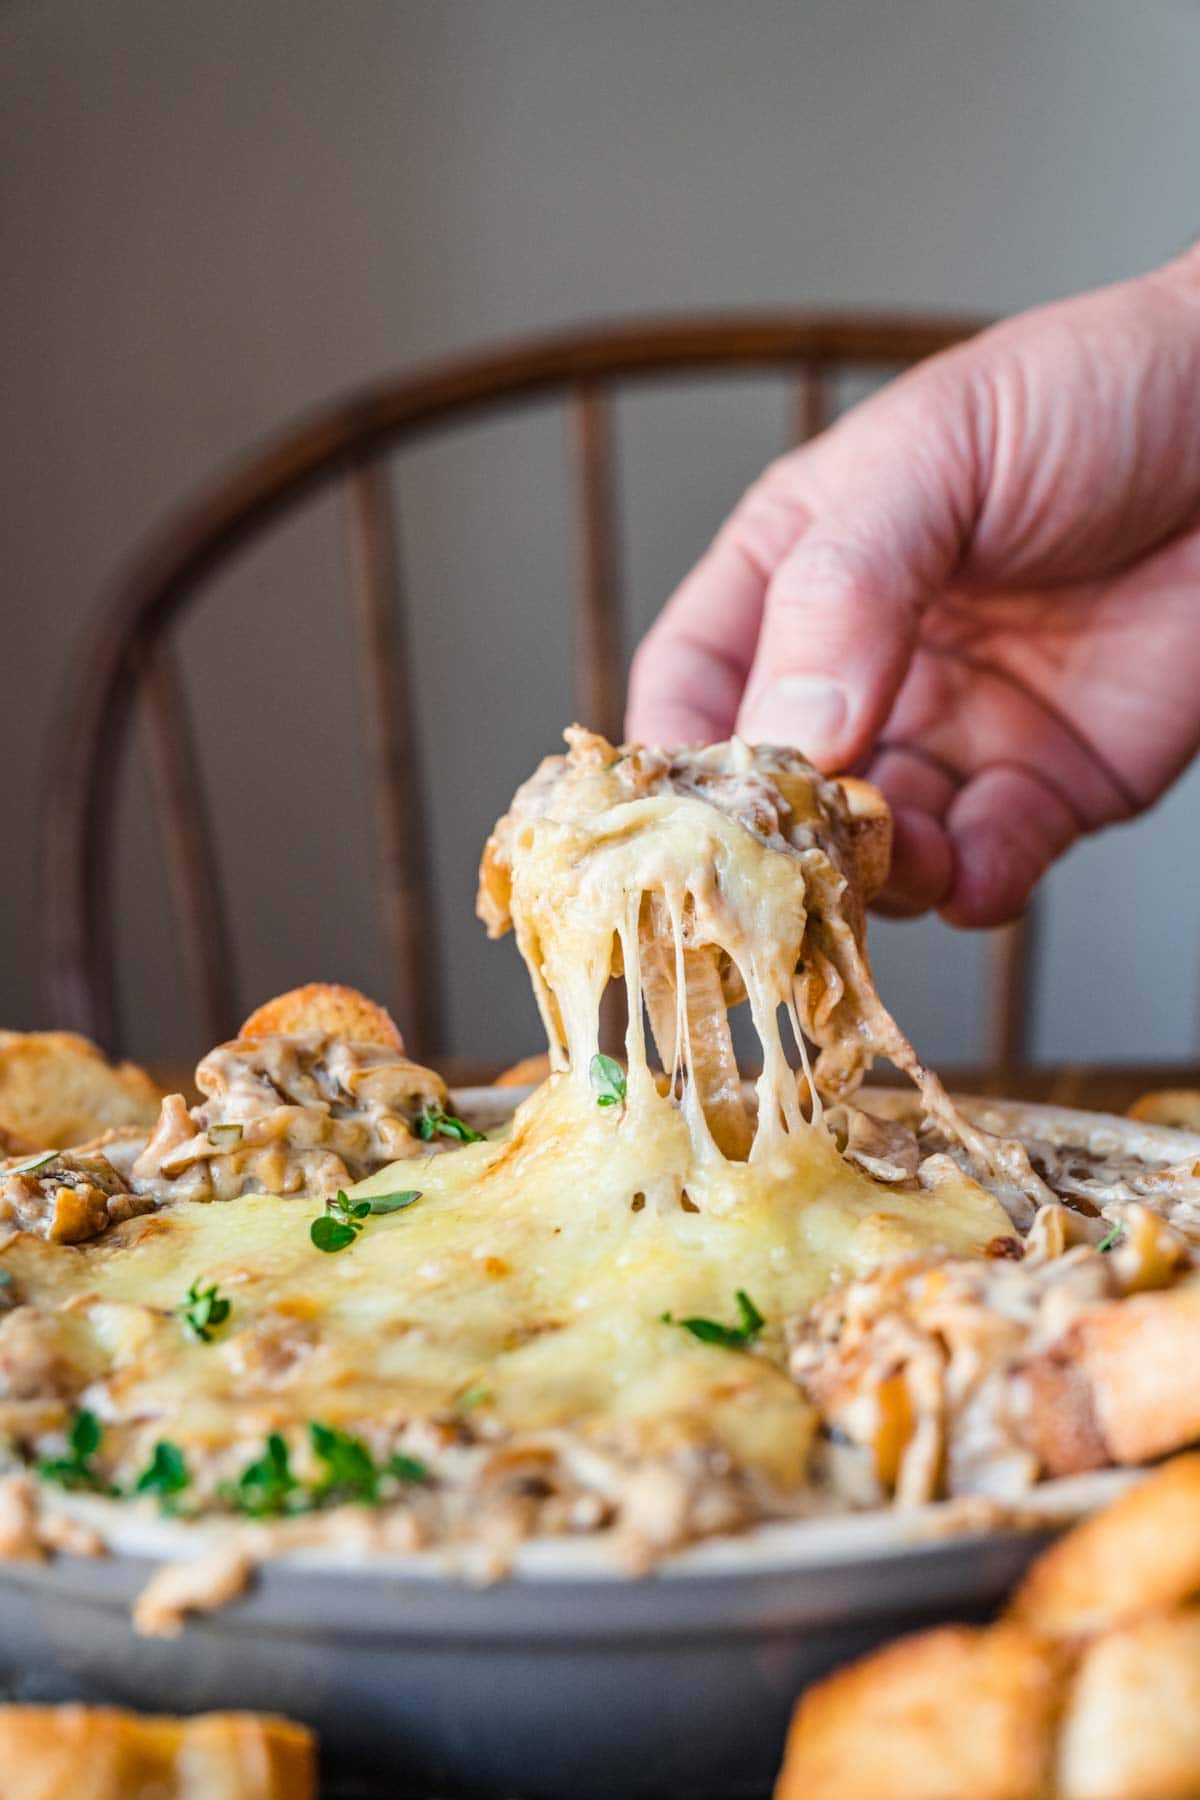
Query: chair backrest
{"x": 127, "y": 657}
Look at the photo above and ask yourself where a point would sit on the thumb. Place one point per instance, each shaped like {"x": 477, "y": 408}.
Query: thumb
{"x": 885, "y": 503}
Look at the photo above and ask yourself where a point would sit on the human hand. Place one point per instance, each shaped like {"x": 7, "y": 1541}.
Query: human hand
{"x": 981, "y": 588}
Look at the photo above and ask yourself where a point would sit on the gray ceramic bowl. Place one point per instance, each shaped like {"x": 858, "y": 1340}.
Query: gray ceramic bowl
{"x": 567, "y": 1679}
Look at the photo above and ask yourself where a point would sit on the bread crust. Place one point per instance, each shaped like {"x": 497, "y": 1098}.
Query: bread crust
{"x": 1177, "y": 1107}
{"x": 104, "y": 1753}
{"x": 960, "y": 1711}
{"x": 328, "y": 1008}
{"x": 870, "y": 834}
{"x": 1140, "y": 1556}
{"x": 58, "y": 1089}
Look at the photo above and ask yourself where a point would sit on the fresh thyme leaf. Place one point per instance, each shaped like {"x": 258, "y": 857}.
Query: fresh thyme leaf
{"x": 435, "y": 1122}
{"x": 266, "y": 1487}
{"x": 76, "y": 1470}
{"x": 350, "y": 1472}
{"x": 340, "y": 1223}
{"x": 728, "y": 1337}
{"x": 328, "y": 1235}
{"x": 204, "y": 1310}
{"x": 407, "y": 1468}
{"x": 31, "y": 1163}
{"x": 1112, "y": 1237}
{"x": 85, "y": 1434}
{"x": 166, "y": 1474}
{"x": 752, "y": 1319}
{"x": 608, "y": 1078}
{"x": 390, "y": 1203}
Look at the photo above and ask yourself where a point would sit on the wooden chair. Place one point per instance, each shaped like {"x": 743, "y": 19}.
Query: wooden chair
{"x": 126, "y": 660}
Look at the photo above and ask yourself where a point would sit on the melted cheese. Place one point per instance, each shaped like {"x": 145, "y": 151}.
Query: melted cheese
{"x": 524, "y": 1268}
{"x": 526, "y": 1289}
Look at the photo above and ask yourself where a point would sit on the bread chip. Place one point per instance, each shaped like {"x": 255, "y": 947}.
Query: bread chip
{"x": 870, "y": 834}
{"x": 1139, "y": 1556}
{"x": 1132, "y": 1728}
{"x": 957, "y": 1712}
{"x": 102, "y": 1753}
{"x": 56, "y": 1089}
{"x": 531, "y": 1071}
{"x": 1179, "y": 1107}
{"x": 326, "y": 1007}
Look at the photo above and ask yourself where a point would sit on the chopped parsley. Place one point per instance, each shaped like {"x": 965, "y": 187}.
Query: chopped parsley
{"x": 267, "y": 1487}
{"x": 166, "y": 1474}
{"x": 435, "y": 1122}
{"x": 478, "y": 1394}
{"x": 608, "y": 1078}
{"x": 225, "y": 1137}
{"x": 1112, "y": 1237}
{"x": 729, "y": 1337}
{"x": 204, "y": 1310}
{"x": 77, "y": 1470}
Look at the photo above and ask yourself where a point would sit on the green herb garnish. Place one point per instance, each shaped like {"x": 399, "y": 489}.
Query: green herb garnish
{"x": 608, "y": 1078}
{"x": 5, "y": 1278}
{"x": 31, "y": 1163}
{"x": 406, "y": 1468}
{"x": 266, "y": 1487}
{"x": 225, "y": 1137}
{"x": 434, "y": 1122}
{"x": 390, "y": 1203}
{"x": 204, "y": 1310}
{"x": 1111, "y": 1237}
{"x": 166, "y": 1474}
{"x": 76, "y": 1470}
{"x": 478, "y": 1394}
{"x": 340, "y": 1223}
{"x": 349, "y": 1468}
{"x": 729, "y": 1337}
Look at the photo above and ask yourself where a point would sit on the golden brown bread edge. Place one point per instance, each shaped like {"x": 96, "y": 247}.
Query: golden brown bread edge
{"x": 1177, "y": 1107}
{"x": 105, "y": 1753}
{"x": 58, "y": 1089}
{"x": 1088, "y": 1689}
{"x": 325, "y": 1008}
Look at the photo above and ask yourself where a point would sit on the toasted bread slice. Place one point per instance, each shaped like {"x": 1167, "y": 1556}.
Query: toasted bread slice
{"x": 57, "y": 1089}
{"x": 956, "y": 1712}
{"x": 871, "y": 834}
{"x": 1132, "y": 1726}
{"x": 102, "y": 1753}
{"x": 1179, "y": 1107}
{"x": 1140, "y": 1556}
{"x": 325, "y": 1007}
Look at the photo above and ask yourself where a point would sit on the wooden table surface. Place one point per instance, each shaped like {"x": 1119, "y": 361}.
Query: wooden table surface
{"x": 1107, "y": 1087}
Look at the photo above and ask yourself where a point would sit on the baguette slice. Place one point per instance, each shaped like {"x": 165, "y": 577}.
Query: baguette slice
{"x": 326, "y": 1008}
{"x": 1139, "y": 1556}
{"x": 102, "y": 1753}
{"x": 958, "y": 1713}
{"x": 58, "y": 1089}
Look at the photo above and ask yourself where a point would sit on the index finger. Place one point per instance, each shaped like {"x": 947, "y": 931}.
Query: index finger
{"x": 690, "y": 670}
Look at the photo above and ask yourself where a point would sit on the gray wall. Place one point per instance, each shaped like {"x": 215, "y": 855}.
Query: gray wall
{"x": 213, "y": 215}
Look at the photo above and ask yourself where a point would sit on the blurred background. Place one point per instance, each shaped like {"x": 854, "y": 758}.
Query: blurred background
{"x": 213, "y": 216}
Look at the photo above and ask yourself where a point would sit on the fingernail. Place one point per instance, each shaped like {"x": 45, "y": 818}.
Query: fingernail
{"x": 804, "y": 712}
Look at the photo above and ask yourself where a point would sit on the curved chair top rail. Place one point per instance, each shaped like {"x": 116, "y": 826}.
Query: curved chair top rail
{"x": 124, "y": 657}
